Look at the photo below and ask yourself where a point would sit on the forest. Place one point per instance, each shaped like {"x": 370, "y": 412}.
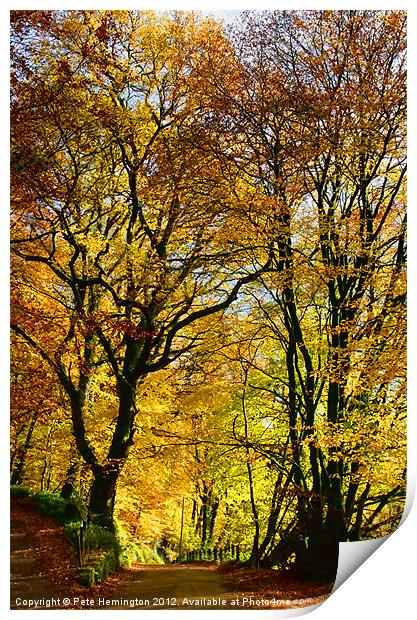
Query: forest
{"x": 208, "y": 276}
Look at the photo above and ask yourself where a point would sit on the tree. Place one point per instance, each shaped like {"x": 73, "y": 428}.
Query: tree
{"x": 111, "y": 199}
{"x": 312, "y": 106}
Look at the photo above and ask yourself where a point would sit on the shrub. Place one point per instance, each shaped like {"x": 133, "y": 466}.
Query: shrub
{"x": 17, "y": 491}
{"x": 96, "y": 537}
{"x": 60, "y": 509}
{"x": 129, "y": 553}
{"x": 137, "y": 552}
{"x": 100, "y": 552}
{"x": 150, "y": 556}
{"x": 72, "y": 531}
{"x": 87, "y": 576}
{"x": 107, "y": 565}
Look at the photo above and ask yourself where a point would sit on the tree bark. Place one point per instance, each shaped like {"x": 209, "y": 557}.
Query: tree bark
{"x": 103, "y": 494}
{"x": 103, "y": 490}
{"x": 18, "y": 462}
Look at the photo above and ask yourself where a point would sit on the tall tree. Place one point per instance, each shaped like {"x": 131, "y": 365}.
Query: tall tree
{"x": 129, "y": 220}
{"x": 312, "y": 106}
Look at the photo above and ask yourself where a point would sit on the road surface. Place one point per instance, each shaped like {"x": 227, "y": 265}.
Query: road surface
{"x": 171, "y": 587}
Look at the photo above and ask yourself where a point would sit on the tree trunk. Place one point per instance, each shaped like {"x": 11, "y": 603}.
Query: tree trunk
{"x": 46, "y": 473}
{"x": 103, "y": 490}
{"x": 356, "y": 530}
{"x": 19, "y": 457}
{"x": 103, "y": 493}
{"x": 205, "y": 513}
{"x": 214, "y": 510}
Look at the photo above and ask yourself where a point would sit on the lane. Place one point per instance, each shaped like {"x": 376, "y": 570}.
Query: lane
{"x": 171, "y": 587}
{"x": 26, "y": 579}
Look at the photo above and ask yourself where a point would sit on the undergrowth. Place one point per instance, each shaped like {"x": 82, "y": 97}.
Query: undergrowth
{"x": 17, "y": 491}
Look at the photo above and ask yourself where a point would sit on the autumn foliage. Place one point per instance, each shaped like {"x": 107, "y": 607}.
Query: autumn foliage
{"x": 208, "y": 275}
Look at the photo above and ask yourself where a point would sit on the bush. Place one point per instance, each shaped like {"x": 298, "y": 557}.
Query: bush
{"x": 96, "y": 537}
{"x": 17, "y": 491}
{"x": 100, "y": 552}
{"x": 128, "y": 554}
{"x": 71, "y": 531}
{"x": 107, "y": 565}
{"x": 60, "y": 509}
{"x": 150, "y": 556}
{"x": 130, "y": 551}
{"x": 137, "y": 552}
{"x": 87, "y": 576}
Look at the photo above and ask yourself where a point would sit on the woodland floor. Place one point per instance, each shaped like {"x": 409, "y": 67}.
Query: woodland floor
{"x": 43, "y": 567}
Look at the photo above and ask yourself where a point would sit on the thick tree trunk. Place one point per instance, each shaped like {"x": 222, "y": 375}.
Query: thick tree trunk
{"x": 276, "y": 516}
{"x": 103, "y": 494}
{"x": 318, "y": 561}
{"x": 103, "y": 490}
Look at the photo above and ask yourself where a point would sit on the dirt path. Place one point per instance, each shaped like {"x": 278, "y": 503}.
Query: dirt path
{"x": 170, "y": 587}
{"x": 192, "y": 586}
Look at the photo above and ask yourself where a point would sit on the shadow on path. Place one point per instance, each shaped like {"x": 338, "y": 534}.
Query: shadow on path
{"x": 42, "y": 561}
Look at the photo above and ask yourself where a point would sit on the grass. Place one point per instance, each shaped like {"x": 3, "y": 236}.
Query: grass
{"x": 61, "y": 510}
{"x": 17, "y": 491}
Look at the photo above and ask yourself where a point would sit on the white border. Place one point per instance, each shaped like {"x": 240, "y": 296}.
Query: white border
{"x": 384, "y": 586}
